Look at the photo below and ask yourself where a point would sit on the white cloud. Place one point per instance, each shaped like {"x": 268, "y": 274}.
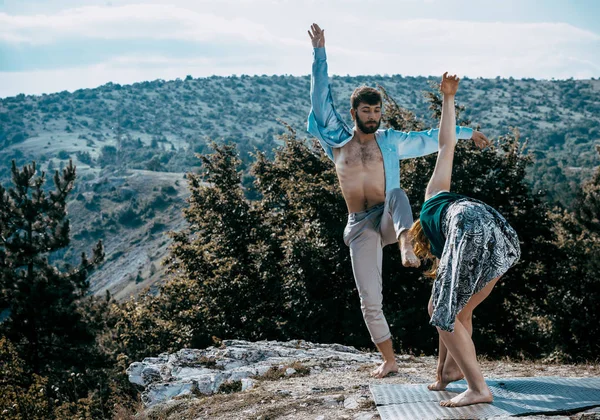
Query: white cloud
{"x": 135, "y": 21}
{"x": 253, "y": 21}
{"x": 436, "y": 34}
{"x": 426, "y": 47}
{"x": 357, "y": 43}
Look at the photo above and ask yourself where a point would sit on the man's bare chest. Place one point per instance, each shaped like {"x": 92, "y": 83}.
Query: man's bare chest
{"x": 355, "y": 154}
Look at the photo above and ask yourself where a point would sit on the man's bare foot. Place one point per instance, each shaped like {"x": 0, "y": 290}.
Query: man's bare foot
{"x": 469, "y": 397}
{"x": 384, "y": 369}
{"x": 444, "y": 379}
{"x": 409, "y": 259}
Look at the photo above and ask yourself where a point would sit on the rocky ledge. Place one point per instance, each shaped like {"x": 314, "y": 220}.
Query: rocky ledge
{"x": 293, "y": 380}
{"x": 235, "y": 365}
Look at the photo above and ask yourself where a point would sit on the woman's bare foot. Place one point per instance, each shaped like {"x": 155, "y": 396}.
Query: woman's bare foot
{"x": 444, "y": 379}
{"x": 384, "y": 369}
{"x": 469, "y": 397}
{"x": 438, "y": 385}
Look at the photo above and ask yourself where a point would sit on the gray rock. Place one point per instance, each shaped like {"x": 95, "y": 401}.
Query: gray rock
{"x": 203, "y": 371}
{"x": 317, "y": 389}
{"x": 332, "y": 401}
{"x": 157, "y": 393}
{"x": 151, "y": 374}
{"x": 365, "y": 416}
{"x": 261, "y": 370}
{"x": 189, "y": 373}
{"x": 204, "y": 385}
{"x": 162, "y": 358}
{"x": 233, "y": 365}
{"x": 217, "y": 379}
{"x": 284, "y": 392}
{"x": 134, "y": 373}
{"x": 240, "y": 374}
{"x": 344, "y": 349}
{"x": 350, "y": 403}
{"x": 248, "y": 383}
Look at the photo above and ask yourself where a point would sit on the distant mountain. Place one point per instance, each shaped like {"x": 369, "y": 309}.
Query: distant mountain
{"x": 133, "y": 144}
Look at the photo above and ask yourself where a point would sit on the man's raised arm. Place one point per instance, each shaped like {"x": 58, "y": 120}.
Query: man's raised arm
{"x": 323, "y": 121}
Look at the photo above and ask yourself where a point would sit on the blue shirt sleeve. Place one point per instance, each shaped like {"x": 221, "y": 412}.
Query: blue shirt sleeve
{"x": 323, "y": 121}
{"x": 421, "y": 143}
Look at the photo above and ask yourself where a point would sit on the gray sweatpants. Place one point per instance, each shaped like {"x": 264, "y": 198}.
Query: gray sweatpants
{"x": 366, "y": 233}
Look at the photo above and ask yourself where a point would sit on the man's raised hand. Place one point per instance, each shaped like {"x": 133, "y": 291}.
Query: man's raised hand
{"x": 317, "y": 36}
{"x": 480, "y": 140}
{"x": 449, "y": 84}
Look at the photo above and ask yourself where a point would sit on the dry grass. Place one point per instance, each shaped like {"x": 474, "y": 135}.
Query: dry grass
{"x": 218, "y": 406}
{"x": 276, "y": 373}
{"x": 230, "y": 387}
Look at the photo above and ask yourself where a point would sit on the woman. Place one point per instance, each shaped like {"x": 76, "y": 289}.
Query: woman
{"x": 472, "y": 245}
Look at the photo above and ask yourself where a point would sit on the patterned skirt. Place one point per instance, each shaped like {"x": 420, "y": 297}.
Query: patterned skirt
{"x": 480, "y": 246}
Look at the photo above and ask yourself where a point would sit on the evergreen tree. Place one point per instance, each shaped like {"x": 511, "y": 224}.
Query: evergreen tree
{"x": 44, "y": 322}
{"x": 305, "y": 210}
{"x": 227, "y": 254}
{"x": 575, "y": 291}
{"x": 587, "y": 209}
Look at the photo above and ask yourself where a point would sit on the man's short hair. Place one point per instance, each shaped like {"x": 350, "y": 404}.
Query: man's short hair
{"x": 365, "y": 94}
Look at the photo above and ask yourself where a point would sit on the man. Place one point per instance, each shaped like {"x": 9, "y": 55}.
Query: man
{"x": 367, "y": 161}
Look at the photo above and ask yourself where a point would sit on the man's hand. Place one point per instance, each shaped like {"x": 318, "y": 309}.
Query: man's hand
{"x": 480, "y": 140}
{"x": 317, "y": 36}
{"x": 449, "y": 84}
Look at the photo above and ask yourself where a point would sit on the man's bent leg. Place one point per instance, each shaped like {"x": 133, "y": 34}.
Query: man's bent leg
{"x": 397, "y": 218}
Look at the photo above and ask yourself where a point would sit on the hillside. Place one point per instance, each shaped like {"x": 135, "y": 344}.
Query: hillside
{"x": 133, "y": 144}
{"x": 560, "y": 118}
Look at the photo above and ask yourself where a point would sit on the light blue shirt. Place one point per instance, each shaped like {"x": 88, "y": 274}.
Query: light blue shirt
{"x": 327, "y": 126}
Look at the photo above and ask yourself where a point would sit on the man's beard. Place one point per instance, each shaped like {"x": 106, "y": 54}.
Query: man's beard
{"x": 367, "y": 129}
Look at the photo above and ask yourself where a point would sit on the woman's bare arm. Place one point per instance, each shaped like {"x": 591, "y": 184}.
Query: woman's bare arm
{"x": 442, "y": 174}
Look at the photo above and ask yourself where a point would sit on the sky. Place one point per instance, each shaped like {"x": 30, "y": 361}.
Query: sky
{"x": 49, "y": 46}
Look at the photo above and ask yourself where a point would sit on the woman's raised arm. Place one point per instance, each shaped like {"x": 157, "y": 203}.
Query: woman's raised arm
{"x": 442, "y": 174}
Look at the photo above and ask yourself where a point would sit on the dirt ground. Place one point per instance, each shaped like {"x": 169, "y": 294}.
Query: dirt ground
{"x": 334, "y": 391}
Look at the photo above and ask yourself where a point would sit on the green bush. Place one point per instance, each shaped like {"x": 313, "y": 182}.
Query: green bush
{"x": 63, "y": 155}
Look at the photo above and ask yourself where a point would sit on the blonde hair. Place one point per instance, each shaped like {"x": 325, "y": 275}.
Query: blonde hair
{"x": 422, "y": 248}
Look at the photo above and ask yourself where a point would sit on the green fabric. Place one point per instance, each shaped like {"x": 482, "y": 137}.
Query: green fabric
{"x": 431, "y": 219}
